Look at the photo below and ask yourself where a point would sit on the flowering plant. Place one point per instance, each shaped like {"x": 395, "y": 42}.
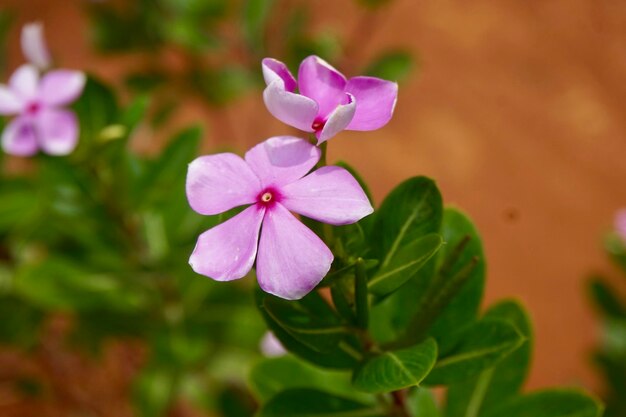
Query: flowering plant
{"x": 372, "y": 308}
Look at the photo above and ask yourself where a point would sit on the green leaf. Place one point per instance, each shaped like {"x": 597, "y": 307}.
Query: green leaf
{"x": 395, "y": 370}
{"x": 412, "y": 210}
{"x": 153, "y": 391}
{"x": 96, "y": 109}
{"x": 273, "y": 375}
{"x": 493, "y": 386}
{"x": 345, "y": 357}
{"x": 605, "y": 299}
{"x": 404, "y": 264}
{"x": 478, "y": 347}
{"x": 314, "y": 403}
{"x": 314, "y": 325}
{"x": 550, "y": 403}
{"x": 392, "y": 65}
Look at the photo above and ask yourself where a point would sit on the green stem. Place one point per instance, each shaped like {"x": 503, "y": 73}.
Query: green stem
{"x": 360, "y": 295}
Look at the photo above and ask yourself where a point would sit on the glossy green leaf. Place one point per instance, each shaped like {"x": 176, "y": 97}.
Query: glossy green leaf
{"x": 549, "y": 403}
{"x": 314, "y": 403}
{"x": 273, "y": 375}
{"x": 346, "y": 356}
{"x": 412, "y": 210}
{"x": 477, "y": 395}
{"x": 480, "y": 346}
{"x": 395, "y": 370}
{"x": 316, "y": 326}
{"x": 404, "y": 264}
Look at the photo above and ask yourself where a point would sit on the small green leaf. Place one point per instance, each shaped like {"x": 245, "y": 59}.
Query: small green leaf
{"x": 346, "y": 356}
{"x": 273, "y": 375}
{"x": 318, "y": 328}
{"x": 421, "y": 402}
{"x": 412, "y": 210}
{"x": 313, "y": 403}
{"x": 96, "y": 109}
{"x": 550, "y": 403}
{"x": 393, "y": 66}
{"x": 395, "y": 370}
{"x": 404, "y": 264}
{"x": 478, "y": 347}
{"x": 605, "y": 299}
{"x": 475, "y": 396}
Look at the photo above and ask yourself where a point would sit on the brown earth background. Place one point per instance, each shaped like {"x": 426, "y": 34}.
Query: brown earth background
{"x": 519, "y": 113}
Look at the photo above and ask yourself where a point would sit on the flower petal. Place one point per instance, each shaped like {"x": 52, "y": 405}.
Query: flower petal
{"x": 217, "y": 183}
{"x": 323, "y": 83}
{"x": 227, "y": 251}
{"x": 34, "y": 45}
{"x": 376, "y": 100}
{"x": 24, "y": 82}
{"x": 9, "y": 102}
{"x": 290, "y": 108}
{"x": 274, "y": 70}
{"x": 20, "y": 138}
{"x": 61, "y": 87}
{"x": 330, "y": 195}
{"x": 338, "y": 120}
{"x": 620, "y": 223}
{"x": 292, "y": 259}
{"x": 282, "y": 159}
{"x": 58, "y": 131}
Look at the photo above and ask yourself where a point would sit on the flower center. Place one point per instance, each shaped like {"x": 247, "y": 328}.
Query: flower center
{"x": 268, "y": 197}
{"x": 33, "y": 108}
{"x": 318, "y": 125}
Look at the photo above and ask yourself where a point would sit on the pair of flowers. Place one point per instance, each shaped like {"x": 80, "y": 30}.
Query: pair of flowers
{"x": 41, "y": 122}
{"x": 272, "y": 179}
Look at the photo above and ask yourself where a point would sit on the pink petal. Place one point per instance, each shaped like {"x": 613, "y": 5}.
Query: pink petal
{"x": 20, "y": 138}
{"x": 330, "y": 195}
{"x": 276, "y": 70}
{"x": 9, "y": 103}
{"x": 58, "y": 131}
{"x": 34, "y": 45}
{"x": 271, "y": 346}
{"x": 282, "y": 159}
{"x": 217, "y": 183}
{"x": 376, "y": 100}
{"x": 227, "y": 251}
{"x": 290, "y": 108}
{"x": 292, "y": 260}
{"x": 338, "y": 120}
{"x": 61, "y": 87}
{"x": 323, "y": 83}
{"x": 24, "y": 82}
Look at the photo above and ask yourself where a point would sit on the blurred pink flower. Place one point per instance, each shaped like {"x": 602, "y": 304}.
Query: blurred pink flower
{"x": 34, "y": 45}
{"x": 326, "y": 102}
{"x": 620, "y": 223}
{"x": 272, "y": 179}
{"x": 271, "y": 346}
{"x": 41, "y": 122}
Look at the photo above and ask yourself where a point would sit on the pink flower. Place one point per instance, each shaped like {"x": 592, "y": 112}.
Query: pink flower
{"x": 327, "y": 102}
{"x": 34, "y": 45}
{"x": 620, "y": 223}
{"x": 290, "y": 258}
{"x": 41, "y": 122}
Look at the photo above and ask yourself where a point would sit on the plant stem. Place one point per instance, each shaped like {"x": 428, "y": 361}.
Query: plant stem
{"x": 360, "y": 295}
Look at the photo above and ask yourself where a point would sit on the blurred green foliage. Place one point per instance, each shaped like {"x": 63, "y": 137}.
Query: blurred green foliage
{"x": 609, "y": 302}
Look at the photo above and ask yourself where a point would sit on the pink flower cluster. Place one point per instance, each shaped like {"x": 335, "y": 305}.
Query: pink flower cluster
{"x": 41, "y": 122}
{"x": 277, "y": 177}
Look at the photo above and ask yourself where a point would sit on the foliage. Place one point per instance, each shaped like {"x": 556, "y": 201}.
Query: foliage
{"x": 610, "y": 357}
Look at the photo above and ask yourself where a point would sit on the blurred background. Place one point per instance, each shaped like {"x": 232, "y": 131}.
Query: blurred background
{"x": 517, "y": 108}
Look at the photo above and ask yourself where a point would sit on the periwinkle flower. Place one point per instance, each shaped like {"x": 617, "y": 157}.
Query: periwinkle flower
{"x": 326, "y": 102}
{"x": 290, "y": 258}
{"x": 41, "y": 122}
{"x": 620, "y": 224}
